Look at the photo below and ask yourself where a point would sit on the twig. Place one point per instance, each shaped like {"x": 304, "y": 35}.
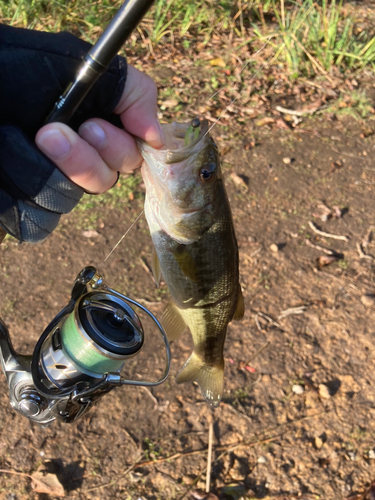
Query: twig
{"x": 361, "y": 253}
{"x": 327, "y": 235}
{"x": 291, "y": 310}
{"x": 219, "y": 458}
{"x": 270, "y": 320}
{"x": 312, "y": 59}
{"x": 125, "y": 473}
{"x": 257, "y": 322}
{"x": 367, "y": 239}
{"x": 348, "y": 154}
{"x": 295, "y": 112}
{"x": 155, "y": 401}
{"x": 256, "y": 251}
{"x": 264, "y": 346}
{"x": 209, "y": 456}
{"x": 325, "y": 250}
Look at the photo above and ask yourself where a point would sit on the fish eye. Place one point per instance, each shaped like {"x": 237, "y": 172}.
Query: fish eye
{"x": 207, "y": 173}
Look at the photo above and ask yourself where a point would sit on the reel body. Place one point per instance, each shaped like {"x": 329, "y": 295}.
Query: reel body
{"x": 79, "y": 356}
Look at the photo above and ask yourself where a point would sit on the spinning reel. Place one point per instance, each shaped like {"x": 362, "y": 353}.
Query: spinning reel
{"x": 80, "y": 354}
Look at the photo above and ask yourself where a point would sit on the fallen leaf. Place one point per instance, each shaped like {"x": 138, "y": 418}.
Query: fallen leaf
{"x": 169, "y": 103}
{"x": 218, "y": 61}
{"x": 367, "y": 132}
{"x": 267, "y": 120}
{"x": 202, "y": 495}
{"x": 47, "y": 483}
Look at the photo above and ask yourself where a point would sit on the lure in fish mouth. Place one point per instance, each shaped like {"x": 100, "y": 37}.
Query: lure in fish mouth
{"x": 191, "y": 226}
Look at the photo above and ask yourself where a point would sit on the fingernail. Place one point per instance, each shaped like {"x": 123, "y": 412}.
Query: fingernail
{"x": 92, "y": 133}
{"x": 54, "y": 143}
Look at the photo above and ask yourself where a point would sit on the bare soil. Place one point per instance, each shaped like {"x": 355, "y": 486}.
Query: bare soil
{"x": 298, "y": 416}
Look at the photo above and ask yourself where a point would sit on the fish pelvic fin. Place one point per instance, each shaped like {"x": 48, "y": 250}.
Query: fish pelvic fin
{"x": 209, "y": 378}
{"x": 172, "y": 322}
{"x": 155, "y": 267}
{"x": 240, "y": 307}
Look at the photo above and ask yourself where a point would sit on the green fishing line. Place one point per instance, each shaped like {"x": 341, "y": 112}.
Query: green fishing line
{"x": 82, "y": 352}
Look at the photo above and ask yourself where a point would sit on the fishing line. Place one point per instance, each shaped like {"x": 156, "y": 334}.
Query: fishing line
{"x": 233, "y": 101}
{"x": 123, "y": 236}
{"x": 242, "y": 69}
{"x": 245, "y": 87}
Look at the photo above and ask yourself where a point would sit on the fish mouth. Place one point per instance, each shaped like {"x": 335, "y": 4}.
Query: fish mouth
{"x": 176, "y": 150}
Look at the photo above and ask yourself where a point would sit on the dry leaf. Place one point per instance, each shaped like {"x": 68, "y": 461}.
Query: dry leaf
{"x": 267, "y": 120}
{"x": 218, "y": 61}
{"x": 47, "y": 483}
{"x": 169, "y": 103}
{"x": 202, "y": 495}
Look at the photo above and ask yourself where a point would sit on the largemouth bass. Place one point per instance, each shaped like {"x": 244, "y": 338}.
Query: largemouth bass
{"x": 196, "y": 252}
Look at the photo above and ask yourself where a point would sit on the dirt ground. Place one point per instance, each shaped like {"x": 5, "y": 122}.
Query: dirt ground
{"x": 298, "y": 415}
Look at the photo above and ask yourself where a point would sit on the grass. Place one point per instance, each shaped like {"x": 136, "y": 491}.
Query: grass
{"x": 90, "y": 208}
{"x": 308, "y": 37}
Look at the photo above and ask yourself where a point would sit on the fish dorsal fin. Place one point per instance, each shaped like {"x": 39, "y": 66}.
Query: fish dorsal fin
{"x": 172, "y": 322}
{"x": 209, "y": 378}
{"x": 155, "y": 267}
{"x": 240, "y": 308}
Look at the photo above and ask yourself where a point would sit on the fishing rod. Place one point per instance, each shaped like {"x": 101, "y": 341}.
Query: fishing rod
{"x": 99, "y": 58}
{"x": 80, "y": 354}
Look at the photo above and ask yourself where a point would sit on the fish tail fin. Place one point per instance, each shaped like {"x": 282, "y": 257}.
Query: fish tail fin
{"x": 209, "y": 378}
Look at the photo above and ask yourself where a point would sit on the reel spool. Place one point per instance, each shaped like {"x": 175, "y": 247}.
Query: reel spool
{"x": 79, "y": 356}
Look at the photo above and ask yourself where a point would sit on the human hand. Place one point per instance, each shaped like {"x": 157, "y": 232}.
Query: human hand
{"x": 93, "y": 157}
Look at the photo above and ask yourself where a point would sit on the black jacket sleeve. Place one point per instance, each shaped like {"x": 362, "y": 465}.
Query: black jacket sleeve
{"x": 35, "y": 68}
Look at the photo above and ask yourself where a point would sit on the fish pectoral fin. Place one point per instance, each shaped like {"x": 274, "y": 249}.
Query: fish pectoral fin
{"x": 240, "y": 308}
{"x": 209, "y": 378}
{"x": 155, "y": 267}
{"x": 186, "y": 263}
{"x": 172, "y": 322}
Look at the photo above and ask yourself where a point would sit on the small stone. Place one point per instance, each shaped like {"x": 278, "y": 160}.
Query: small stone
{"x": 274, "y": 248}
{"x": 318, "y": 443}
{"x": 298, "y": 389}
{"x": 287, "y": 161}
{"x": 324, "y": 391}
{"x": 262, "y": 460}
{"x": 368, "y": 300}
{"x": 91, "y": 233}
{"x": 352, "y": 455}
{"x": 371, "y": 455}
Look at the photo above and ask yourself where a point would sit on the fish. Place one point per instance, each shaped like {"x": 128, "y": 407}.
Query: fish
{"x": 195, "y": 247}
